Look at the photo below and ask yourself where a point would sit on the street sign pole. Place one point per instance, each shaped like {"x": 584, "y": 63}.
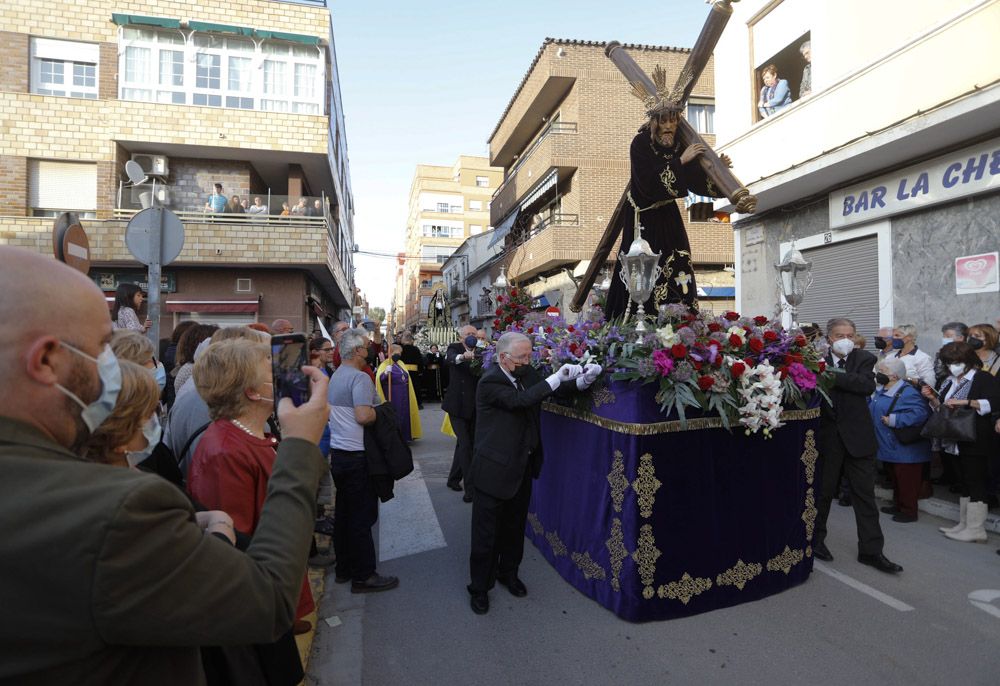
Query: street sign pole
{"x": 153, "y": 278}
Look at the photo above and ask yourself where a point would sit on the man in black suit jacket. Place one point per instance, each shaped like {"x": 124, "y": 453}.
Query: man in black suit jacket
{"x": 508, "y": 455}
{"x": 847, "y": 442}
{"x": 460, "y": 404}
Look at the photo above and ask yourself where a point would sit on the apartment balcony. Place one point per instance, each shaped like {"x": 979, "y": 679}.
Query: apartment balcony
{"x": 458, "y": 293}
{"x": 556, "y": 148}
{"x": 550, "y": 244}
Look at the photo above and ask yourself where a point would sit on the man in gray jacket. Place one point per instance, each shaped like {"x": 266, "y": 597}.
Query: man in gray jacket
{"x": 107, "y": 576}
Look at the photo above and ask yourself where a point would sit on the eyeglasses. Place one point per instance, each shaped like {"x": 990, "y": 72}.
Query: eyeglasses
{"x": 326, "y": 350}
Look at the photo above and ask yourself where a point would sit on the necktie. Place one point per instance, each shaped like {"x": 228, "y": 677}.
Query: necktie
{"x": 841, "y": 363}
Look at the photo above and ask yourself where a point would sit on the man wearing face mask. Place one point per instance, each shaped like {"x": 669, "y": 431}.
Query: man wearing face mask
{"x": 107, "y": 576}
{"x": 883, "y": 342}
{"x": 460, "y": 404}
{"x": 847, "y": 444}
{"x": 508, "y": 455}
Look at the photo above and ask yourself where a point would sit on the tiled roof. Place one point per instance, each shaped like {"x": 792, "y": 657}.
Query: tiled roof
{"x": 570, "y": 41}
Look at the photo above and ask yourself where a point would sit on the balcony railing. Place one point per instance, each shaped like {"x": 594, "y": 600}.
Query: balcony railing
{"x": 553, "y": 127}
{"x": 458, "y": 292}
{"x": 485, "y": 307}
{"x": 556, "y": 219}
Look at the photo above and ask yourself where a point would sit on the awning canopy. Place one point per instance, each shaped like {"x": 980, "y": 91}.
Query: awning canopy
{"x": 218, "y": 306}
{"x": 220, "y": 28}
{"x": 129, "y": 19}
{"x": 540, "y": 189}
{"x": 717, "y": 291}
{"x": 504, "y": 227}
{"x": 292, "y": 37}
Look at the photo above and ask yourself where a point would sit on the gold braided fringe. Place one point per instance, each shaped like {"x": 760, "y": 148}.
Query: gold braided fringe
{"x": 673, "y": 426}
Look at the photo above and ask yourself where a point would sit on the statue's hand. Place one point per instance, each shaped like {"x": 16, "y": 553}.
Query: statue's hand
{"x": 726, "y": 160}
{"x": 692, "y": 151}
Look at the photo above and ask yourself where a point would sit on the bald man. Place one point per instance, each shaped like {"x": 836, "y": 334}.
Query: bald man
{"x": 282, "y": 326}
{"x": 107, "y": 577}
{"x": 460, "y": 404}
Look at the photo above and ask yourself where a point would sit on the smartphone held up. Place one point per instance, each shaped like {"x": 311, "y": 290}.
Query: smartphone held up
{"x": 289, "y": 353}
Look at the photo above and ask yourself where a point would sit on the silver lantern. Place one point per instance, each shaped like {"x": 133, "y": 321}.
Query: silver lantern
{"x": 640, "y": 269}
{"x": 794, "y": 279}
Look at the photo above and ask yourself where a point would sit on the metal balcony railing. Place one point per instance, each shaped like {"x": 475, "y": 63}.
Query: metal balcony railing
{"x": 457, "y": 292}
{"x": 554, "y": 127}
{"x": 485, "y": 307}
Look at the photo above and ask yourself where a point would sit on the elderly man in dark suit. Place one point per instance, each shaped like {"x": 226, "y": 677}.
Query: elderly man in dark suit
{"x": 460, "y": 404}
{"x": 847, "y": 442}
{"x": 108, "y": 577}
{"x": 508, "y": 455}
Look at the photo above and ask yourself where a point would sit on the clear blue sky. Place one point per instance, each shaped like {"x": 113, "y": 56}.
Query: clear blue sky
{"x": 424, "y": 82}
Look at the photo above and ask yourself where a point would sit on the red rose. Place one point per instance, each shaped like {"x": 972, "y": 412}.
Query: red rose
{"x": 531, "y": 329}
{"x": 748, "y": 362}
{"x": 822, "y": 365}
{"x": 496, "y": 323}
{"x": 756, "y": 345}
{"x": 500, "y": 298}
{"x": 690, "y": 317}
{"x": 782, "y": 372}
{"x": 732, "y": 316}
{"x": 801, "y": 341}
{"x": 513, "y": 292}
{"x": 748, "y": 330}
{"x": 718, "y": 361}
{"x": 737, "y": 369}
{"x": 792, "y": 357}
{"x": 697, "y": 364}
{"x": 705, "y": 382}
{"x": 760, "y": 320}
{"x": 714, "y": 326}
{"x": 679, "y": 351}
{"x": 770, "y": 336}
{"x": 499, "y": 311}
{"x": 735, "y": 340}
{"x": 570, "y": 328}
{"x": 508, "y": 319}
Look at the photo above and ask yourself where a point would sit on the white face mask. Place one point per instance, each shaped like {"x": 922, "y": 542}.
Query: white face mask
{"x": 843, "y": 347}
{"x": 946, "y": 341}
{"x": 956, "y": 369}
{"x": 151, "y": 431}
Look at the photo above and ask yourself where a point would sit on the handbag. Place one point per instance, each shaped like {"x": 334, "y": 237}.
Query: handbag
{"x": 952, "y": 424}
{"x": 905, "y": 434}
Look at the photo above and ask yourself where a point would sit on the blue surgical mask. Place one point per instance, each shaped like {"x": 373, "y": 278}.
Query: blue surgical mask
{"x": 897, "y": 343}
{"x": 95, "y": 413}
{"x": 152, "y": 432}
{"x": 160, "y": 374}
{"x": 470, "y": 341}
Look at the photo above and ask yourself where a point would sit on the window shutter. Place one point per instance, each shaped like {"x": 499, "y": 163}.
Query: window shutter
{"x": 845, "y": 284}
{"x": 62, "y": 185}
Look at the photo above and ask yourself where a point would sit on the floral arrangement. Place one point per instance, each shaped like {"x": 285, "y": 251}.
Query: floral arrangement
{"x": 744, "y": 369}
{"x": 511, "y": 308}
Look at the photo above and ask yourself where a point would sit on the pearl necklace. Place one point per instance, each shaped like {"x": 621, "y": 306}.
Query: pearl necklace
{"x": 238, "y": 425}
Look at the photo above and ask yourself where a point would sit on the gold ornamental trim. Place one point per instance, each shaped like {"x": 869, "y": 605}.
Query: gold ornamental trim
{"x": 617, "y": 552}
{"x": 590, "y": 569}
{"x": 645, "y": 556}
{"x": 809, "y": 513}
{"x": 785, "y": 560}
{"x": 739, "y": 574}
{"x": 558, "y": 547}
{"x": 672, "y": 426}
{"x": 602, "y": 396}
{"x": 646, "y": 485}
{"x": 685, "y": 589}
{"x": 809, "y": 456}
{"x": 536, "y": 525}
{"x": 618, "y": 481}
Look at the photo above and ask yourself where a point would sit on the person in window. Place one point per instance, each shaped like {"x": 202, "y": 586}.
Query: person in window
{"x": 805, "y": 85}
{"x": 775, "y": 95}
{"x": 316, "y": 210}
{"x": 257, "y": 210}
{"x": 285, "y": 210}
{"x": 216, "y": 201}
{"x": 300, "y": 208}
{"x": 128, "y": 300}
{"x": 235, "y": 206}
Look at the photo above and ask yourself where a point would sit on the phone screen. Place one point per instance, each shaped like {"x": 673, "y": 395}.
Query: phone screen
{"x": 289, "y": 353}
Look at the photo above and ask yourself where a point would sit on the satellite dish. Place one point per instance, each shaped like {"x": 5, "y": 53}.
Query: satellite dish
{"x": 134, "y": 172}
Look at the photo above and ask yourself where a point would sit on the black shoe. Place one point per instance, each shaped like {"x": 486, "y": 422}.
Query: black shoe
{"x": 480, "y": 603}
{"x": 374, "y": 584}
{"x": 821, "y": 552}
{"x": 514, "y": 585}
{"x": 879, "y": 562}
{"x": 455, "y": 487}
{"x": 467, "y": 498}
{"x": 904, "y": 518}
{"x": 890, "y": 509}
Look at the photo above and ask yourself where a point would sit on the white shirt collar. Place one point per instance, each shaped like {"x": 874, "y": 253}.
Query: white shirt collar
{"x": 507, "y": 374}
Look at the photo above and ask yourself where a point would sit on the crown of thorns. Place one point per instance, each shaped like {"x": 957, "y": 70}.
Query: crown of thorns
{"x": 663, "y": 100}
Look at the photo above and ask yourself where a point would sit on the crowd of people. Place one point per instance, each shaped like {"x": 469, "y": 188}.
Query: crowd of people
{"x": 258, "y": 209}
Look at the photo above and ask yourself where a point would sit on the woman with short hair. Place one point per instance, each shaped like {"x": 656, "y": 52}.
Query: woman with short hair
{"x": 124, "y": 313}
{"x": 132, "y": 430}
{"x": 983, "y": 339}
{"x": 186, "y": 347}
{"x": 919, "y": 365}
{"x": 234, "y": 459}
{"x": 968, "y": 386}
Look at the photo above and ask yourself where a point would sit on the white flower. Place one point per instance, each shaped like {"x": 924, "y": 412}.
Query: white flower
{"x": 667, "y": 336}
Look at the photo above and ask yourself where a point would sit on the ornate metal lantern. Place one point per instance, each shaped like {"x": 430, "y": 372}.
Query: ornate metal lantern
{"x": 794, "y": 279}
{"x": 500, "y": 286}
{"x": 640, "y": 270}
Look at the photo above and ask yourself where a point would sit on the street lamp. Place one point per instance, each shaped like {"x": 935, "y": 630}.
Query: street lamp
{"x": 640, "y": 270}
{"x": 500, "y": 286}
{"x": 794, "y": 279}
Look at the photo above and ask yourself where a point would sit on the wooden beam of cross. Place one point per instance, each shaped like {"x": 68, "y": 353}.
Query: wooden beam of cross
{"x": 718, "y": 173}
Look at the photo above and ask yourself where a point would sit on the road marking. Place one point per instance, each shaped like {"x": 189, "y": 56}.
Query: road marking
{"x": 408, "y": 523}
{"x": 878, "y": 595}
{"x": 983, "y": 599}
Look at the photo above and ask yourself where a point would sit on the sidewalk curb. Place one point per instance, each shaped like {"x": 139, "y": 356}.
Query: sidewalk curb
{"x": 944, "y": 509}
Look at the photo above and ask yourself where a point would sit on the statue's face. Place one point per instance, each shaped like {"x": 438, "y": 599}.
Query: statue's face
{"x": 663, "y": 128}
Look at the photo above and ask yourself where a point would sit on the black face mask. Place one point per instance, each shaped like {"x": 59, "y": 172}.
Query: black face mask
{"x": 881, "y": 378}
{"x": 396, "y": 357}
{"x": 880, "y": 343}
{"x": 520, "y": 371}
{"x": 975, "y": 343}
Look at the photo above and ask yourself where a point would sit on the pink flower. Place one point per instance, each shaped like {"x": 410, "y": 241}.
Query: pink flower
{"x": 802, "y": 377}
{"x": 663, "y": 362}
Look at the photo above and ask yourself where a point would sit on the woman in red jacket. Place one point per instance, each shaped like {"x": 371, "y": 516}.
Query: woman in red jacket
{"x": 234, "y": 459}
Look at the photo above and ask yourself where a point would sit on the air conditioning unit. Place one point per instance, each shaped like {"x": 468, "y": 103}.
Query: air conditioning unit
{"x": 152, "y": 165}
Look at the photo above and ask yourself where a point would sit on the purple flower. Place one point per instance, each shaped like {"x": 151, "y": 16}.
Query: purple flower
{"x": 802, "y": 377}
{"x": 664, "y": 361}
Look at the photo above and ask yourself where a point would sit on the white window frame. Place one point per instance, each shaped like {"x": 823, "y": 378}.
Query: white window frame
{"x": 475, "y": 205}
{"x": 698, "y": 122}
{"x": 147, "y": 88}
{"x": 68, "y": 54}
{"x": 483, "y": 181}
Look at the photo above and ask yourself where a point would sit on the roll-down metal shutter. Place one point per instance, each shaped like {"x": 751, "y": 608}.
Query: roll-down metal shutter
{"x": 845, "y": 284}
{"x": 56, "y": 185}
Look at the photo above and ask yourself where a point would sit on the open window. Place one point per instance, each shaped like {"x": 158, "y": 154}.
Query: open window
{"x": 784, "y": 77}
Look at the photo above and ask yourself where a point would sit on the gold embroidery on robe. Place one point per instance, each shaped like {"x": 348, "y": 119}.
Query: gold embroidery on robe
{"x": 645, "y": 556}
{"x": 536, "y": 525}
{"x": 558, "y": 547}
{"x": 668, "y": 178}
{"x": 784, "y": 561}
{"x": 739, "y": 574}
{"x": 646, "y": 485}
{"x": 617, "y": 552}
{"x": 619, "y": 484}
{"x": 809, "y": 514}
{"x": 685, "y": 589}
{"x": 809, "y": 456}
{"x": 590, "y": 569}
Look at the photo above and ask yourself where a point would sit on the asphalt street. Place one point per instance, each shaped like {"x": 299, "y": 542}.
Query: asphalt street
{"x": 936, "y": 623}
